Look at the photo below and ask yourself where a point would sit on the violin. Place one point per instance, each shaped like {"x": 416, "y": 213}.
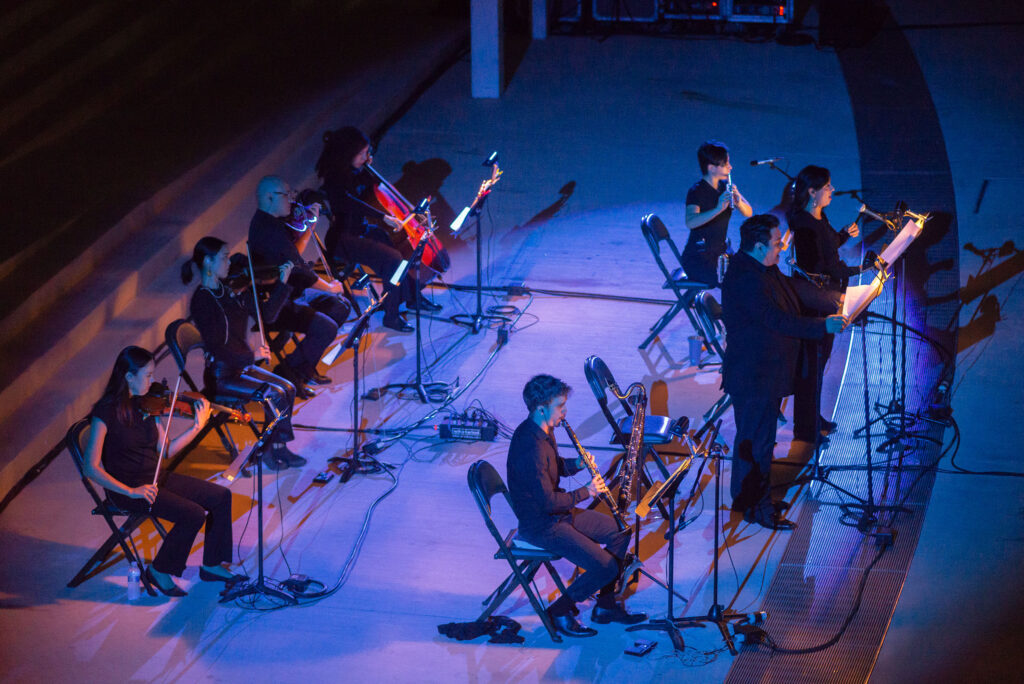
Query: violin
{"x": 157, "y": 403}
{"x": 435, "y": 256}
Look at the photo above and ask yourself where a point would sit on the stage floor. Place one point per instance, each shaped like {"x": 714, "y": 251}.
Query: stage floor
{"x": 592, "y": 135}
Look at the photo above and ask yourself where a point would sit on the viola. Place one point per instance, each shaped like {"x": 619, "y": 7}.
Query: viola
{"x": 435, "y": 256}
{"x": 157, "y": 403}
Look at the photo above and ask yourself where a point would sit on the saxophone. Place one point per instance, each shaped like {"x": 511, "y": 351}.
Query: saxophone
{"x": 603, "y": 492}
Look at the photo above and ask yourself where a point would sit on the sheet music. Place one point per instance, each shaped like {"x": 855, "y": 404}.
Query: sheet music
{"x": 859, "y": 296}
{"x": 899, "y": 245}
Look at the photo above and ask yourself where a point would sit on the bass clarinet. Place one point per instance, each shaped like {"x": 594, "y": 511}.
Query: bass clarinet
{"x": 603, "y": 493}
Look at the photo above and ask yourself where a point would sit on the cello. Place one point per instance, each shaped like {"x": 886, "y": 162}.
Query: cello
{"x": 435, "y": 256}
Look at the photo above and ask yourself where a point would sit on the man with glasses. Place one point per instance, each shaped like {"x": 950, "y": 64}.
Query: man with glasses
{"x": 315, "y": 308}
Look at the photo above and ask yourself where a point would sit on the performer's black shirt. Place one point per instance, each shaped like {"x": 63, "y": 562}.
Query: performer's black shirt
{"x": 271, "y": 243}
{"x": 714, "y": 232}
{"x": 350, "y": 193}
{"x": 817, "y": 248}
{"x": 224, "y": 324}
{"x": 533, "y": 471}
{"x": 129, "y": 450}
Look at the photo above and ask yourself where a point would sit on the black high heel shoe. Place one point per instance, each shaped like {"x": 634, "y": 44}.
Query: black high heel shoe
{"x": 174, "y": 591}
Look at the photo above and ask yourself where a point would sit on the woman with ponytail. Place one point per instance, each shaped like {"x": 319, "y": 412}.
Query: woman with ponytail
{"x": 232, "y": 354}
{"x": 122, "y": 456}
{"x": 816, "y": 245}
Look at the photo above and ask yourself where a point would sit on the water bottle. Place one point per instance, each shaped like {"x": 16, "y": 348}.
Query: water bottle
{"x": 134, "y": 577}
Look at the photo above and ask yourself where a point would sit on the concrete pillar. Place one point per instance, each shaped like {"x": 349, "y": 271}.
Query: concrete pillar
{"x": 540, "y": 19}
{"x": 487, "y": 47}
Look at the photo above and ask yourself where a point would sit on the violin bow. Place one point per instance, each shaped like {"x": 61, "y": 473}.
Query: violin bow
{"x": 255, "y": 295}
{"x": 167, "y": 430}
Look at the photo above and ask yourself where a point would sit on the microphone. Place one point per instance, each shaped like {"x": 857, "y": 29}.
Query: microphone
{"x": 770, "y": 160}
{"x": 878, "y": 217}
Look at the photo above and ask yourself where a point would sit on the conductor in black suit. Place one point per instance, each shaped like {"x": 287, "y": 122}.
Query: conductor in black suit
{"x": 762, "y": 308}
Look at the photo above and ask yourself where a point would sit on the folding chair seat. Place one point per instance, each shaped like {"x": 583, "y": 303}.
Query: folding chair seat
{"x": 524, "y": 559}
{"x": 75, "y": 440}
{"x": 684, "y": 289}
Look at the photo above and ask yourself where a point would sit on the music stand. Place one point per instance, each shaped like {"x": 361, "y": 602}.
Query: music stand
{"x": 475, "y": 320}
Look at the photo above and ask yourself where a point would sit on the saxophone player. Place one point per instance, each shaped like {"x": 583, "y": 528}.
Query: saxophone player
{"x": 549, "y": 517}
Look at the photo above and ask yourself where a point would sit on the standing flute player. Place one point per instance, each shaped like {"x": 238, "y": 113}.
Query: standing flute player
{"x": 548, "y": 516}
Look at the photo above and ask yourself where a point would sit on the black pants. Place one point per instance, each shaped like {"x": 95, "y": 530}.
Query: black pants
{"x": 188, "y": 502}
{"x": 318, "y": 324}
{"x": 756, "y": 422}
{"x": 245, "y": 383}
{"x": 807, "y": 389}
{"x": 381, "y": 258}
{"x": 701, "y": 263}
{"x": 578, "y": 539}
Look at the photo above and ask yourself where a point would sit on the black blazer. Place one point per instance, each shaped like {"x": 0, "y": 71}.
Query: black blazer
{"x": 761, "y": 309}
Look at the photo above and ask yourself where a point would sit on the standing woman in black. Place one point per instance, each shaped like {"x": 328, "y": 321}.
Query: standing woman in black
{"x": 817, "y": 252}
{"x": 231, "y": 369}
{"x": 122, "y": 457}
{"x": 356, "y": 234}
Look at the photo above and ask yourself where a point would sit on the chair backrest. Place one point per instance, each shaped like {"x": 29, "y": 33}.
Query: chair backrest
{"x": 601, "y": 380}
{"x": 485, "y": 482}
{"x": 709, "y": 315}
{"x": 75, "y": 440}
{"x": 655, "y": 232}
{"x": 182, "y": 338}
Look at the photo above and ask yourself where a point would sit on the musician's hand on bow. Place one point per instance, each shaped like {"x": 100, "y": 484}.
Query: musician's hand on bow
{"x": 334, "y": 287}
{"x": 147, "y": 492}
{"x": 263, "y": 352}
{"x": 285, "y": 270}
{"x": 393, "y": 221}
{"x": 836, "y": 323}
{"x": 853, "y": 230}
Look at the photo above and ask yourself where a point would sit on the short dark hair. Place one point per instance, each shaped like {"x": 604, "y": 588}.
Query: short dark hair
{"x": 711, "y": 152}
{"x": 541, "y": 389}
{"x": 757, "y": 230}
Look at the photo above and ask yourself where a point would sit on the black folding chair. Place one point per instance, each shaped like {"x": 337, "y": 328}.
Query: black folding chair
{"x": 708, "y": 314}
{"x": 524, "y": 559}
{"x": 183, "y": 338}
{"x": 685, "y": 290}
{"x": 75, "y": 440}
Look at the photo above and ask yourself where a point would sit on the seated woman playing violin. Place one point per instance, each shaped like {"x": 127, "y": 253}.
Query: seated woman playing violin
{"x": 356, "y": 234}
{"x": 231, "y": 356}
{"x": 122, "y": 456}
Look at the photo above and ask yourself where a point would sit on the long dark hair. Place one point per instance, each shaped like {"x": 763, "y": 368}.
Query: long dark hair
{"x": 340, "y": 148}
{"x": 206, "y": 247}
{"x": 809, "y": 178}
{"x": 130, "y": 360}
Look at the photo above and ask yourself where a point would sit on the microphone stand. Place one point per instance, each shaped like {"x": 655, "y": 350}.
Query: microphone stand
{"x": 421, "y": 388}
{"x": 475, "y": 320}
{"x": 259, "y": 586}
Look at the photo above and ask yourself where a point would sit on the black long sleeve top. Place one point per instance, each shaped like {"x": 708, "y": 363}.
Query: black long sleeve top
{"x": 271, "y": 244}
{"x": 349, "y": 193}
{"x": 130, "y": 451}
{"x": 817, "y": 248}
{"x": 533, "y": 470}
{"x": 224, "y": 324}
{"x": 761, "y": 308}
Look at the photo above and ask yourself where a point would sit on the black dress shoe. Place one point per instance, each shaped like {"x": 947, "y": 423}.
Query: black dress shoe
{"x": 570, "y": 627}
{"x": 292, "y": 459}
{"x": 292, "y": 376}
{"x": 424, "y": 305}
{"x": 228, "y": 580}
{"x": 781, "y": 506}
{"x": 616, "y": 613}
{"x": 271, "y": 460}
{"x": 772, "y": 521}
{"x": 827, "y": 427}
{"x": 318, "y": 379}
{"x": 397, "y": 323}
{"x": 174, "y": 591}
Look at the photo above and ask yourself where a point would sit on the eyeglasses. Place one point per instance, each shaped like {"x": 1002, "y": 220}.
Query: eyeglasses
{"x": 285, "y": 193}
